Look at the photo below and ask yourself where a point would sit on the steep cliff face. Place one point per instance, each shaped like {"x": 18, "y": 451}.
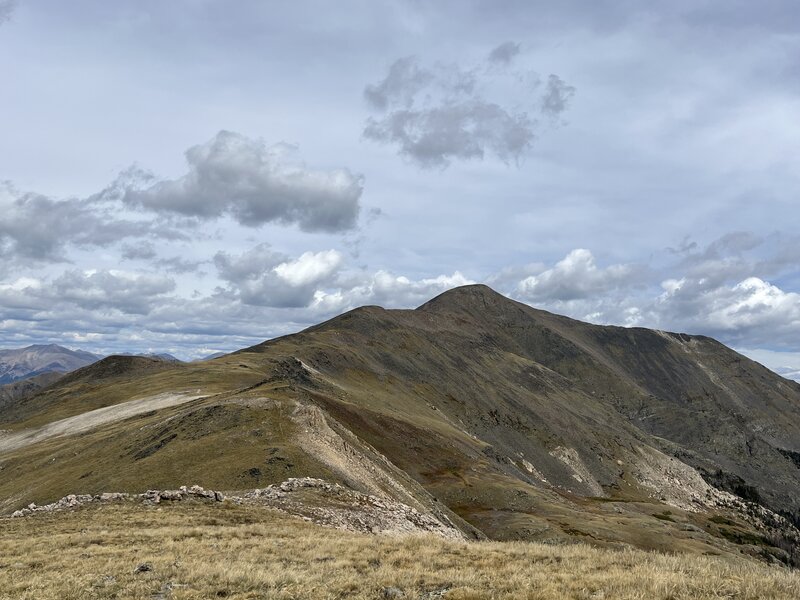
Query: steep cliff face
{"x": 501, "y": 419}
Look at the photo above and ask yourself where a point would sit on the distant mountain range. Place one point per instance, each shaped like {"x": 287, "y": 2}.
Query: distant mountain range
{"x": 23, "y": 363}
{"x": 20, "y": 364}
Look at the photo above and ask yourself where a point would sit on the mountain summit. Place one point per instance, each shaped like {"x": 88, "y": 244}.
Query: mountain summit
{"x": 493, "y": 417}
{"x": 22, "y": 363}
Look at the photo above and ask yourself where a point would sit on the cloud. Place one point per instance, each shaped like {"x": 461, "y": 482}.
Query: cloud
{"x": 139, "y": 251}
{"x": 720, "y": 290}
{"x": 737, "y": 255}
{"x": 556, "y": 97}
{"x": 126, "y": 292}
{"x": 504, "y": 53}
{"x": 7, "y": 8}
{"x": 255, "y": 184}
{"x": 309, "y": 268}
{"x": 37, "y": 227}
{"x": 321, "y": 282}
{"x": 404, "y": 80}
{"x": 249, "y": 265}
{"x": 261, "y": 277}
{"x": 388, "y": 290}
{"x": 752, "y": 309}
{"x": 438, "y": 114}
{"x": 574, "y": 277}
{"x": 179, "y": 265}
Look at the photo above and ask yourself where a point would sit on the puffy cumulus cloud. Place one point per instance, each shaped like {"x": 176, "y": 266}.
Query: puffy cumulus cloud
{"x": 727, "y": 288}
{"x": 310, "y": 268}
{"x": 249, "y": 265}
{"x": 388, "y": 290}
{"x": 321, "y": 282}
{"x": 255, "y": 184}
{"x": 576, "y": 276}
{"x": 266, "y": 294}
{"x": 438, "y": 114}
{"x": 262, "y": 277}
{"x": 721, "y": 289}
{"x": 39, "y": 228}
{"x": 752, "y": 311}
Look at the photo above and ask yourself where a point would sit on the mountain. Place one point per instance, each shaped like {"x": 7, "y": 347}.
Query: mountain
{"x": 21, "y": 363}
{"x": 492, "y": 417}
{"x": 16, "y": 391}
{"x": 157, "y": 355}
{"x": 211, "y": 356}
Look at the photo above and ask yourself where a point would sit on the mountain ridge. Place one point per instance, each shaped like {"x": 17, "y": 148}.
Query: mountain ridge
{"x": 20, "y": 363}
{"x": 520, "y": 424}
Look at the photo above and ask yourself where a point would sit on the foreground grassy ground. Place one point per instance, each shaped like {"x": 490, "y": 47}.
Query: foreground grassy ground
{"x": 199, "y": 550}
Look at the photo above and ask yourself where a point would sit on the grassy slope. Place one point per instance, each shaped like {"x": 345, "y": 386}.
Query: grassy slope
{"x": 455, "y": 394}
{"x": 207, "y": 551}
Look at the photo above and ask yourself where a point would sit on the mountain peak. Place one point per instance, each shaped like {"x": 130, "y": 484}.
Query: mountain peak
{"x": 466, "y": 296}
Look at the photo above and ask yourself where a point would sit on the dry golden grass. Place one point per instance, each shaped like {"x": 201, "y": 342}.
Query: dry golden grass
{"x": 210, "y": 551}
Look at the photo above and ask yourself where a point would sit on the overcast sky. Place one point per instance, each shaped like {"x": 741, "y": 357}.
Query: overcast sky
{"x": 196, "y": 176}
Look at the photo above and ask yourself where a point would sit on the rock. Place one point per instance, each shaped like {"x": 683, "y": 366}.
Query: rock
{"x": 112, "y": 496}
{"x": 144, "y": 567}
{"x": 171, "y": 495}
{"x": 392, "y": 592}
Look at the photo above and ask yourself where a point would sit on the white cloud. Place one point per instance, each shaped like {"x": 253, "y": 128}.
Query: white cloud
{"x": 574, "y": 277}
{"x": 262, "y": 277}
{"x": 752, "y": 309}
{"x": 310, "y": 268}
{"x": 388, "y": 290}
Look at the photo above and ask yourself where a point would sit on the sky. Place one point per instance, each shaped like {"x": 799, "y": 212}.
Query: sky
{"x": 197, "y": 176}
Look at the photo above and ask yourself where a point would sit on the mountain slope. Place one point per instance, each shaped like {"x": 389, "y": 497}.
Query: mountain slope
{"x": 501, "y": 419}
{"x": 35, "y": 360}
{"x": 12, "y": 393}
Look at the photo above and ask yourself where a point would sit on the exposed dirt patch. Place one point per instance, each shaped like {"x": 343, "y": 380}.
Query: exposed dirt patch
{"x": 90, "y": 420}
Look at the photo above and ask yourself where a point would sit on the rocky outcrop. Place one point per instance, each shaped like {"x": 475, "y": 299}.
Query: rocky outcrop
{"x": 312, "y": 499}
{"x": 337, "y": 506}
{"x": 148, "y": 497}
